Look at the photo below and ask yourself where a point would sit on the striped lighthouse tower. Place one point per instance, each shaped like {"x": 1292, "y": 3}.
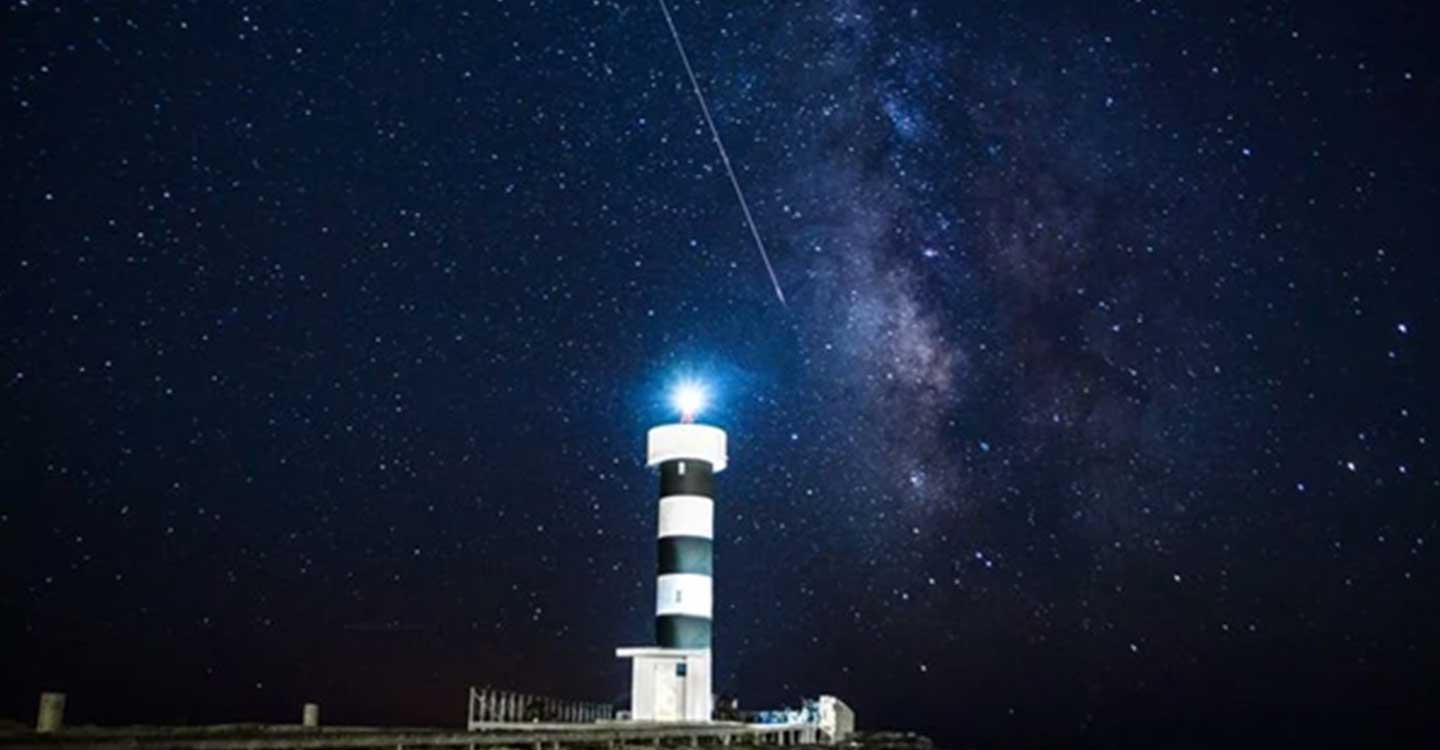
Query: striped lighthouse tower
{"x": 671, "y": 681}
{"x": 688, "y": 457}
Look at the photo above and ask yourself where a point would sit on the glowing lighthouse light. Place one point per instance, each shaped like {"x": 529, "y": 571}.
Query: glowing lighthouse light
{"x": 689, "y": 399}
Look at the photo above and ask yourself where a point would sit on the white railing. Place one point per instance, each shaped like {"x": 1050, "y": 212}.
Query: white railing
{"x": 496, "y": 708}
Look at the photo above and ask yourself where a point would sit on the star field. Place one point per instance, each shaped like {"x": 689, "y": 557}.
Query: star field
{"x": 1099, "y": 414}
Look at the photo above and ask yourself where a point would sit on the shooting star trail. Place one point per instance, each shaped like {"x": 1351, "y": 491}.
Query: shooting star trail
{"x": 724, "y": 157}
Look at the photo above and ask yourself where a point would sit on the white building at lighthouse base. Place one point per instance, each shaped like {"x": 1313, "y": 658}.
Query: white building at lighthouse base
{"x": 669, "y": 684}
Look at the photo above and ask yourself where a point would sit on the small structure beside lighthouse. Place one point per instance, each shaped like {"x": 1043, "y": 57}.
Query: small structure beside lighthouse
{"x": 671, "y": 680}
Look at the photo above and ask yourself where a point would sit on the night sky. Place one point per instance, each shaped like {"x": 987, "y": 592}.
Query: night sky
{"x": 1100, "y": 411}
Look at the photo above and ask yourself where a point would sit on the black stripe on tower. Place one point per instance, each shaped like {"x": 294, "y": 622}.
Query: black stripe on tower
{"x": 686, "y": 476}
{"x": 682, "y": 631}
{"x": 686, "y": 554}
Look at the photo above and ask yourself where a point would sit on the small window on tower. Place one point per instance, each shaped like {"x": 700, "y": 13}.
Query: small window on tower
{"x": 680, "y": 669}
{"x": 681, "y": 468}
{"x": 678, "y": 593}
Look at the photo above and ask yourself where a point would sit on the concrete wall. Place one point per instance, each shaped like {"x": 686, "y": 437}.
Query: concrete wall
{"x": 699, "y": 704}
{"x": 837, "y": 721}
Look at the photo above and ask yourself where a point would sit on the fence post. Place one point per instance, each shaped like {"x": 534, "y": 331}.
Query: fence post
{"x": 52, "y": 713}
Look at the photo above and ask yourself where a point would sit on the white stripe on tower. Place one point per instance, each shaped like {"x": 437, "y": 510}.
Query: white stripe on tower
{"x": 687, "y": 515}
{"x": 686, "y": 594}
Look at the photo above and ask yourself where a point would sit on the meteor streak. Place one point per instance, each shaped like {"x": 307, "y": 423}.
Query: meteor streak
{"x": 724, "y": 157}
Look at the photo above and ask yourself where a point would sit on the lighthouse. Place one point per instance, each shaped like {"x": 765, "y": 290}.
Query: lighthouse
{"x": 671, "y": 680}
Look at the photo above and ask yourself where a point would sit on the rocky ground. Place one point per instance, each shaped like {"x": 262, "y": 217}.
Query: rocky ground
{"x": 888, "y": 741}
